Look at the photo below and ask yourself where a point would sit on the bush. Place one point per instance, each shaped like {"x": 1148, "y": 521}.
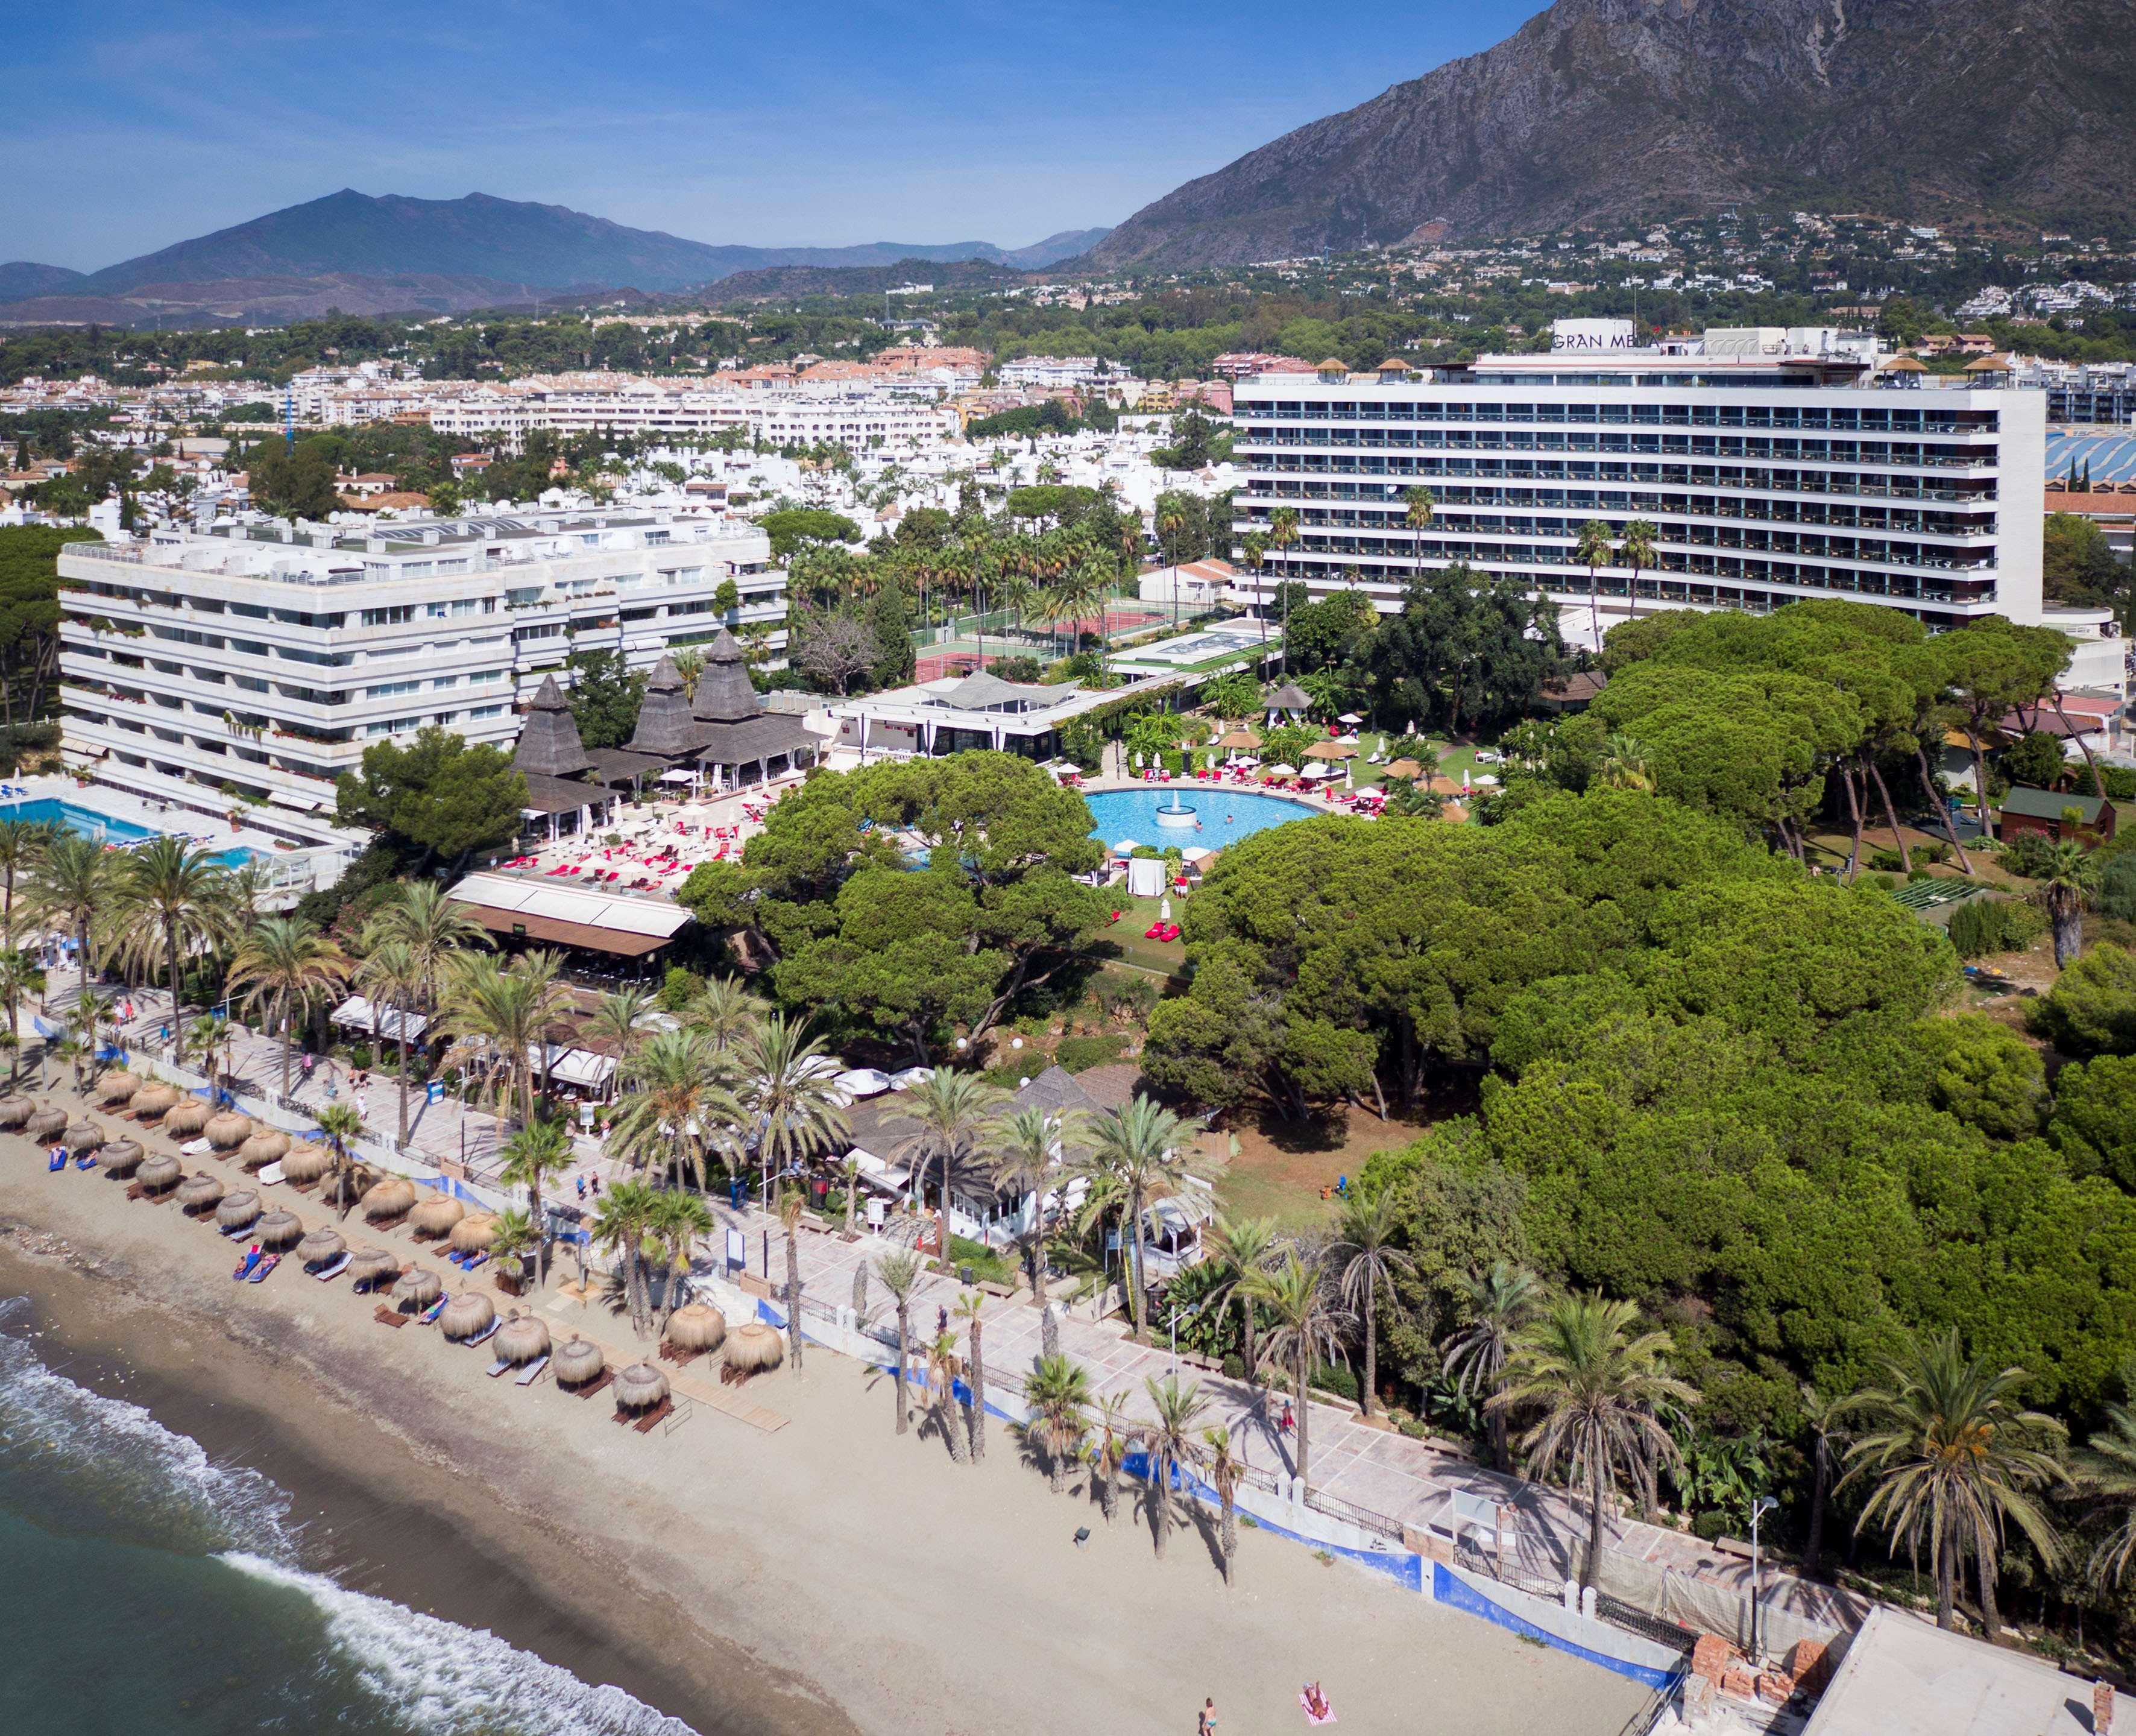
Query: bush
{"x": 1710, "y": 1525}
{"x": 1025, "y": 669}
{"x": 2091, "y": 1009}
{"x": 1982, "y": 925}
{"x": 987, "y": 1265}
{"x": 1887, "y": 862}
{"x": 359, "y": 1056}
{"x": 2028, "y": 855}
{"x": 2116, "y": 896}
{"x": 678, "y": 989}
{"x": 1021, "y": 1064}
{"x": 1334, "y": 1377}
{"x": 1079, "y": 1054}
{"x": 2120, "y": 781}
{"x": 1235, "y": 1367}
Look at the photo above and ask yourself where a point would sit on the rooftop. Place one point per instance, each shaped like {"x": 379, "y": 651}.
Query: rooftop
{"x": 1904, "y": 1677}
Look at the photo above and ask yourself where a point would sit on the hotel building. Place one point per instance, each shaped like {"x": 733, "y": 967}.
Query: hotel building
{"x": 1774, "y": 465}
{"x": 260, "y": 660}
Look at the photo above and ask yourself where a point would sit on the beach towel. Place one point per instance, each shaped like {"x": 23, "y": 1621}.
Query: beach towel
{"x": 1305, "y": 1706}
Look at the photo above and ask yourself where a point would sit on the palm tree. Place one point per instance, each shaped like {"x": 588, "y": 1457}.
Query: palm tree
{"x": 1418, "y": 517}
{"x": 795, "y": 1111}
{"x": 284, "y": 964}
{"x": 1057, "y": 1391}
{"x": 1641, "y": 550}
{"x": 536, "y": 1152}
{"x": 968, "y": 1308}
{"x": 2106, "y": 1474}
{"x": 1028, "y": 1160}
{"x": 511, "y": 1236}
{"x": 1952, "y": 1458}
{"x": 1593, "y": 551}
{"x": 390, "y": 978}
{"x": 1255, "y": 545}
{"x": 945, "y": 1119}
{"x": 724, "y": 1011}
{"x": 71, "y": 887}
{"x": 1623, "y": 764}
{"x": 622, "y": 1020}
{"x": 1824, "y": 1420}
{"x": 22, "y": 845}
{"x": 1109, "y": 1417}
{"x": 340, "y": 1126}
{"x": 676, "y": 1221}
{"x": 1305, "y": 1332}
{"x": 1170, "y": 521}
{"x": 942, "y": 1369}
{"x": 19, "y": 976}
{"x": 174, "y": 899}
{"x": 2067, "y": 879}
{"x": 681, "y": 1091}
{"x": 1500, "y": 1303}
{"x": 621, "y": 1222}
{"x": 1597, "y": 1388}
{"x": 1244, "y": 1249}
{"x": 1364, "y": 1236}
{"x": 499, "y": 1012}
{"x": 204, "y": 1037}
{"x": 1145, "y": 1149}
{"x": 1283, "y": 533}
{"x": 1225, "y": 1473}
{"x": 434, "y": 926}
{"x": 900, "y": 1273}
{"x": 1169, "y": 1442}
{"x": 792, "y": 1203}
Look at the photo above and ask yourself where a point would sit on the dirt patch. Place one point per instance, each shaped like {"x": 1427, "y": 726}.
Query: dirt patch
{"x": 1280, "y": 1167}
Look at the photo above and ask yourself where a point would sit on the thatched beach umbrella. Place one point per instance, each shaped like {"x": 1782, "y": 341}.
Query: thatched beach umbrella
{"x": 467, "y": 1316}
{"x": 197, "y": 1193}
{"x": 184, "y": 1120}
{"x": 419, "y": 1287}
{"x": 122, "y": 1157}
{"x": 158, "y": 1173}
{"x": 279, "y": 1230}
{"x": 1332, "y": 751}
{"x": 697, "y": 1326}
{"x": 434, "y": 1215}
{"x": 320, "y": 1247}
{"x": 1239, "y": 739}
{"x": 473, "y": 1234}
{"x": 369, "y": 1265}
{"x": 639, "y": 1387}
{"x": 1405, "y": 769}
{"x": 262, "y": 1147}
{"x": 151, "y": 1101}
{"x": 755, "y": 1347}
{"x": 83, "y": 1136}
{"x": 305, "y": 1163}
{"x": 15, "y": 1112}
{"x": 521, "y": 1338}
{"x": 238, "y": 1209}
{"x": 116, "y": 1088}
{"x": 47, "y": 1124}
{"x": 389, "y": 1200}
{"x": 577, "y": 1361}
{"x": 228, "y": 1130}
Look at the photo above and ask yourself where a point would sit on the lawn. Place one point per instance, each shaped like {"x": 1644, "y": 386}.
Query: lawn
{"x": 1278, "y": 1168}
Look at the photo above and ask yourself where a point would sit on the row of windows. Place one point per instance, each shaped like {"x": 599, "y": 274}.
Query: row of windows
{"x": 1833, "y": 417}
{"x": 1673, "y": 570}
{"x": 1269, "y": 480}
{"x": 1256, "y": 442}
{"x": 1698, "y": 506}
{"x": 1884, "y": 552}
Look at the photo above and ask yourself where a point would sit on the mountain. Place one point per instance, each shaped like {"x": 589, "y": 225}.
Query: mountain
{"x": 1616, "y": 109}
{"x": 523, "y": 247}
{"x": 273, "y": 301}
{"x": 793, "y": 283}
{"x": 1050, "y": 251}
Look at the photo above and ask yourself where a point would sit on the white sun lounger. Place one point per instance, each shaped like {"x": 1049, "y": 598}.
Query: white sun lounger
{"x": 487, "y": 1333}
{"x": 532, "y": 1372}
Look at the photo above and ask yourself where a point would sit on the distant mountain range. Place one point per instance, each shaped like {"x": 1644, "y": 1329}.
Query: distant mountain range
{"x": 1608, "y": 110}
{"x": 392, "y": 253}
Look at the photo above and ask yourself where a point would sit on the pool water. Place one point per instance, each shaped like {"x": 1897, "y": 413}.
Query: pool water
{"x": 1226, "y": 814}
{"x": 88, "y": 823}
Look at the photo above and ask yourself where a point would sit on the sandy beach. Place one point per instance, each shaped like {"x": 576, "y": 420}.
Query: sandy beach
{"x": 827, "y": 1576}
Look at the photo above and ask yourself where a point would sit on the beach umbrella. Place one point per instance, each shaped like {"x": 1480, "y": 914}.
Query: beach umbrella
{"x": 45, "y": 1124}
{"x": 121, "y": 1157}
{"x": 418, "y": 1287}
{"x": 229, "y": 1130}
{"x": 368, "y": 1265}
{"x": 435, "y": 1214}
{"x": 577, "y": 1361}
{"x": 754, "y": 1347}
{"x": 261, "y": 1148}
{"x": 237, "y": 1209}
{"x": 1402, "y": 769}
{"x": 1282, "y": 771}
{"x": 473, "y": 1234}
{"x": 1239, "y": 738}
{"x": 153, "y": 1100}
{"x": 322, "y": 1247}
{"x": 197, "y": 1193}
{"x": 115, "y": 1088}
{"x": 467, "y": 1316}
{"x": 1350, "y": 717}
{"x": 1332, "y": 751}
{"x": 521, "y": 1339}
{"x": 279, "y": 1230}
{"x": 305, "y": 1163}
{"x": 390, "y": 1200}
{"x": 1126, "y": 847}
{"x": 696, "y": 1326}
{"x": 183, "y": 1120}
{"x": 639, "y": 1387}
{"x": 15, "y": 1112}
{"x": 82, "y": 1136}
{"x": 159, "y": 1173}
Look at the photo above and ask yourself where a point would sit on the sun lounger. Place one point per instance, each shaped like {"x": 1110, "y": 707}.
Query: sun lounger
{"x": 496, "y": 1367}
{"x": 57, "y": 1163}
{"x": 532, "y": 1372}
{"x": 332, "y": 1270}
{"x": 487, "y": 1333}
{"x": 244, "y": 1266}
{"x": 480, "y": 1258}
{"x": 428, "y": 1316}
{"x": 660, "y": 1414}
{"x": 386, "y": 1316}
{"x": 593, "y": 1386}
{"x": 680, "y": 1358}
{"x": 259, "y": 1271}
{"x": 87, "y": 1160}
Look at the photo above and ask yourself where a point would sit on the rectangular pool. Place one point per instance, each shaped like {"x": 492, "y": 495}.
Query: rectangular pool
{"x": 104, "y": 828}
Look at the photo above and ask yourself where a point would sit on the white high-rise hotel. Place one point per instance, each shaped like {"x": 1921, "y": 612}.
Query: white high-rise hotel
{"x": 1774, "y": 465}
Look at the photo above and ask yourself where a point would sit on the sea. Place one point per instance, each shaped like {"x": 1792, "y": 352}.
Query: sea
{"x": 147, "y": 1589}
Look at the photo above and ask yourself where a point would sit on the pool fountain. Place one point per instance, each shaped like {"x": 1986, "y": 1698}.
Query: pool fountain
{"x": 1176, "y": 813}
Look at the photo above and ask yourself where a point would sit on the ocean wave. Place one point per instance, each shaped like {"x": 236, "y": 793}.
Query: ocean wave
{"x": 80, "y": 1461}
{"x": 439, "y": 1677}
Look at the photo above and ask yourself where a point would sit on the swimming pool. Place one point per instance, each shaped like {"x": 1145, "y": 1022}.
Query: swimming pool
{"x": 1226, "y": 814}
{"x": 88, "y": 823}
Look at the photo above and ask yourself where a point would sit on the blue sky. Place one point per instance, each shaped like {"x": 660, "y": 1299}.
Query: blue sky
{"x": 130, "y": 126}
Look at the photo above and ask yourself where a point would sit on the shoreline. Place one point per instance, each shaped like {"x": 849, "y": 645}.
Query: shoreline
{"x": 828, "y": 1577}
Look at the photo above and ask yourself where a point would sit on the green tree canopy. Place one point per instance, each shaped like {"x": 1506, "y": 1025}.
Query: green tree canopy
{"x": 441, "y": 798}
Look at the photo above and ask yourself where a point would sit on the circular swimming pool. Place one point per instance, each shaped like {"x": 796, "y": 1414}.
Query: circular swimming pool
{"x": 1226, "y": 814}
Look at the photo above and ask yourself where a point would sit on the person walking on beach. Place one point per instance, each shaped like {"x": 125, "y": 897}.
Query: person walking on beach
{"x": 1205, "y": 1725}
{"x": 1288, "y": 1423}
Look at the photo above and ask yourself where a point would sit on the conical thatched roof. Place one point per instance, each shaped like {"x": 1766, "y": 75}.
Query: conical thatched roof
{"x": 15, "y": 1112}
{"x": 579, "y": 1360}
{"x": 548, "y": 744}
{"x": 321, "y": 1246}
{"x": 368, "y": 1265}
{"x": 473, "y": 1234}
{"x": 115, "y": 1088}
{"x": 724, "y": 693}
{"x": 754, "y": 1347}
{"x": 239, "y": 1209}
{"x": 83, "y": 1135}
{"x": 435, "y": 1213}
{"x": 421, "y": 1287}
{"x": 159, "y": 1173}
{"x": 467, "y": 1313}
{"x": 521, "y": 1338}
{"x": 695, "y": 1327}
{"x": 665, "y": 726}
{"x": 390, "y": 1198}
{"x": 305, "y": 1163}
{"x": 182, "y": 1121}
{"x": 197, "y": 1193}
{"x": 279, "y": 1229}
{"x": 47, "y": 1123}
{"x": 121, "y": 1157}
{"x": 153, "y": 1100}
{"x": 229, "y": 1130}
{"x": 639, "y": 1387}
{"x": 1289, "y": 697}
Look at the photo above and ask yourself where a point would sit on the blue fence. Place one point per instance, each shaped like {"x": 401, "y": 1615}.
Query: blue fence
{"x": 1456, "y": 1593}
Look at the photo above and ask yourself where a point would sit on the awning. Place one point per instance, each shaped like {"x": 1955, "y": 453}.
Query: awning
{"x": 679, "y": 777}
{"x": 583, "y": 934}
{"x": 541, "y": 909}
{"x": 358, "y": 1014}
{"x": 583, "y": 1067}
{"x": 292, "y": 798}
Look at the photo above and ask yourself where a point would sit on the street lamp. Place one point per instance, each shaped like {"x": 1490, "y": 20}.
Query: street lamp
{"x": 1759, "y": 1508}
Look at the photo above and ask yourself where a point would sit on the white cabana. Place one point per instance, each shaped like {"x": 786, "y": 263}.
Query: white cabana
{"x": 1282, "y": 771}
{"x": 910, "y": 1077}
{"x": 863, "y": 1081}
{"x": 678, "y": 777}
{"x": 358, "y": 1014}
{"x": 1126, "y": 847}
{"x": 1318, "y": 769}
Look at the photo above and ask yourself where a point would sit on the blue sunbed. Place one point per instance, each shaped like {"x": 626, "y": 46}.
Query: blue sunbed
{"x": 532, "y": 1372}
{"x": 266, "y": 1265}
{"x": 332, "y": 1268}
{"x": 57, "y": 1163}
{"x": 487, "y": 1333}
{"x": 245, "y": 1266}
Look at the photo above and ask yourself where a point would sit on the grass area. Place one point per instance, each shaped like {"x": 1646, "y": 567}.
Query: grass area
{"x": 1278, "y": 1168}
{"x": 1137, "y": 914}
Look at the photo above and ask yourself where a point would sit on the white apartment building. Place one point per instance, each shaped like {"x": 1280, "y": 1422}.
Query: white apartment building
{"x": 266, "y": 658}
{"x": 1774, "y": 464}
{"x": 1059, "y": 374}
{"x": 857, "y": 418}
